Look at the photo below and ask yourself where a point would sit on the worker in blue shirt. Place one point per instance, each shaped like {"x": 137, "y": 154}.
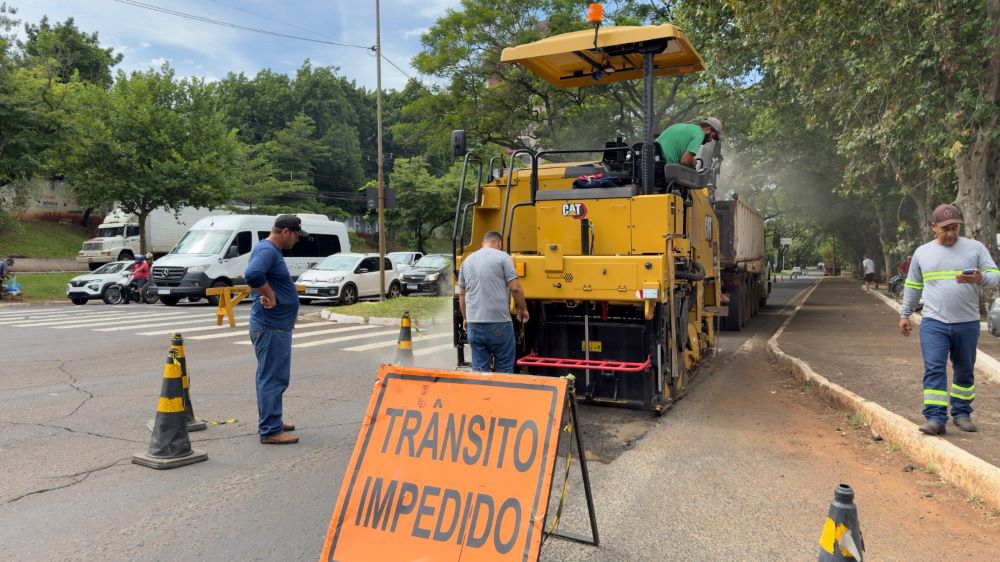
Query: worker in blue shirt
{"x": 272, "y": 319}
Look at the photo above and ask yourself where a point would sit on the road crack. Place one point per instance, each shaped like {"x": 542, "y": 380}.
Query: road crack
{"x": 78, "y": 477}
{"x": 76, "y": 431}
{"x": 73, "y": 384}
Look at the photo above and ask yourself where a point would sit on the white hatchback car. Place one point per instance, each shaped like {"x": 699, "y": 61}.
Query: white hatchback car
{"x": 83, "y": 288}
{"x": 347, "y": 277}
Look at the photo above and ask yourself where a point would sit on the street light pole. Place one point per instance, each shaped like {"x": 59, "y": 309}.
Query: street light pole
{"x": 381, "y": 174}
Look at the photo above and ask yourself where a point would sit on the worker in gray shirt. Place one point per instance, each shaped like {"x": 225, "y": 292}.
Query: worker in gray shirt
{"x": 947, "y": 271}
{"x": 486, "y": 282}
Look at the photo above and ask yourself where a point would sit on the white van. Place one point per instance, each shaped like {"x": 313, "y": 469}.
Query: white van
{"x": 215, "y": 253}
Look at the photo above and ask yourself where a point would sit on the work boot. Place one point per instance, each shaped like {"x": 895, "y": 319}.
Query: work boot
{"x": 283, "y": 438}
{"x": 965, "y": 423}
{"x": 932, "y": 427}
{"x": 287, "y": 427}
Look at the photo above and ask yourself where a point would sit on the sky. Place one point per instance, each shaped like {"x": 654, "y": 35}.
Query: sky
{"x": 149, "y": 38}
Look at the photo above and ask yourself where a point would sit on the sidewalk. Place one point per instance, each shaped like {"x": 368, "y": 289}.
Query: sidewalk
{"x": 851, "y": 339}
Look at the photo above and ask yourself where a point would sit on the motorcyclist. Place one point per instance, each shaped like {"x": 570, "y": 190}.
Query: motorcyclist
{"x": 140, "y": 273}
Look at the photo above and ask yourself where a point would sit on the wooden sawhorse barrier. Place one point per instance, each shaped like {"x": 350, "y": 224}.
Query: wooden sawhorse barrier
{"x": 229, "y": 297}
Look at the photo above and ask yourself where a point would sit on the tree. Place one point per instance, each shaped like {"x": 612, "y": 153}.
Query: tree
{"x": 33, "y": 118}
{"x": 508, "y": 106}
{"x": 152, "y": 142}
{"x": 424, "y": 202}
{"x": 257, "y": 182}
{"x": 64, "y": 51}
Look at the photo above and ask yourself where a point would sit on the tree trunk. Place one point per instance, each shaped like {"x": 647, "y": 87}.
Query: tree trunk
{"x": 884, "y": 244}
{"x": 977, "y": 164}
{"x": 143, "y": 214}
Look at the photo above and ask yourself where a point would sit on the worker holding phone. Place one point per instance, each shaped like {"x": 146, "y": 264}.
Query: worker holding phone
{"x": 947, "y": 272}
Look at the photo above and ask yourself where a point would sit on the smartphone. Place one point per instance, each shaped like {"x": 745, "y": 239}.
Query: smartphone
{"x": 969, "y": 271}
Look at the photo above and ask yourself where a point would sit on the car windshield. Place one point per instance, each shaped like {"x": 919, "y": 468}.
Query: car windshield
{"x": 202, "y": 242}
{"x": 433, "y": 262}
{"x": 110, "y": 231}
{"x": 337, "y": 263}
{"x": 405, "y": 258}
{"x": 113, "y": 267}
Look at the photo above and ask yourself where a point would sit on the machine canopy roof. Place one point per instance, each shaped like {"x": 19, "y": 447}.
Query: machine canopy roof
{"x": 570, "y": 60}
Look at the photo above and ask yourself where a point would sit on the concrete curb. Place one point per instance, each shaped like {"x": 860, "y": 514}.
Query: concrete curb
{"x": 328, "y": 314}
{"x": 986, "y": 365}
{"x": 967, "y": 472}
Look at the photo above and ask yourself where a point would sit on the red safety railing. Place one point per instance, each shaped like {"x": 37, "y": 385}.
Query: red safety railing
{"x": 532, "y": 360}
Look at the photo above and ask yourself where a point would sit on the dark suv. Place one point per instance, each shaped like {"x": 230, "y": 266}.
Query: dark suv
{"x": 431, "y": 274}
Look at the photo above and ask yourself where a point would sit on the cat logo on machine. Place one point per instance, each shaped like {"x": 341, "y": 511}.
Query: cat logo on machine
{"x": 575, "y": 210}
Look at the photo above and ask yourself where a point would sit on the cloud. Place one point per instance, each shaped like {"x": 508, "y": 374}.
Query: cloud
{"x": 158, "y": 62}
{"x": 145, "y": 44}
{"x": 415, "y": 32}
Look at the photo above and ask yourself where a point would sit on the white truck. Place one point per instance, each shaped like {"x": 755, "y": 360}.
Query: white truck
{"x": 118, "y": 236}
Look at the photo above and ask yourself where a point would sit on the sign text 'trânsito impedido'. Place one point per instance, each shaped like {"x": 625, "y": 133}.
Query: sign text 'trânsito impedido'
{"x": 449, "y": 466}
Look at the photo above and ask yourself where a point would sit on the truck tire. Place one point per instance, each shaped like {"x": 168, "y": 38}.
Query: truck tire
{"x": 126, "y": 255}
{"x": 169, "y": 300}
{"x": 734, "y": 320}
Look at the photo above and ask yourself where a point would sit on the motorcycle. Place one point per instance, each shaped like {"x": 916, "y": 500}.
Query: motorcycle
{"x": 127, "y": 290}
{"x": 896, "y": 285}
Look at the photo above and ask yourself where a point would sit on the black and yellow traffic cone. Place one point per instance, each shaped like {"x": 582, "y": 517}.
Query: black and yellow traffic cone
{"x": 841, "y": 537}
{"x": 193, "y": 423}
{"x": 170, "y": 446}
{"x": 404, "y": 346}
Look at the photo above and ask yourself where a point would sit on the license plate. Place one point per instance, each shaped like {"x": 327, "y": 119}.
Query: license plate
{"x": 412, "y": 287}
{"x": 312, "y": 291}
{"x": 163, "y": 291}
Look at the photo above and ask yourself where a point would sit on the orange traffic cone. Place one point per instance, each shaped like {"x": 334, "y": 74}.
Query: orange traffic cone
{"x": 193, "y": 423}
{"x": 170, "y": 447}
{"x": 404, "y": 346}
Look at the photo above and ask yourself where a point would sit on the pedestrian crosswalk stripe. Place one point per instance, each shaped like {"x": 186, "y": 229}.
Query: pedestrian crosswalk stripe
{"x": 376, "y": 345}
{"x": 302, "y": 331}
{"x": 87, "y": 322}
{"x": 131, "y": 325}
{"x": 225, "y": 325}
{"x": 30, "y": 318}
{"x": 340, "y": 339}
{"x": 429, "y": 350}
{"x": 228, "y": 334}
{"x": 43, "y": 315}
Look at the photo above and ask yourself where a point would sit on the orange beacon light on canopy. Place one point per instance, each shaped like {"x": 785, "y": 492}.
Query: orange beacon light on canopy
{"x": 595, "y": 13}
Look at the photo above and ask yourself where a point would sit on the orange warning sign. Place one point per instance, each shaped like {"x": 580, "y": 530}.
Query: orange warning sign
{"x": 449, "y": 466}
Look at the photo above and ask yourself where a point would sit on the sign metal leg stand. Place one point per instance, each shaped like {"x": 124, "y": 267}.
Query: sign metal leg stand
{"x": 593, "y": 539}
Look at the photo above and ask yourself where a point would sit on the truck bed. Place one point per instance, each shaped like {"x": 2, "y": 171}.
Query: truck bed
{"x": 741, "y": 239}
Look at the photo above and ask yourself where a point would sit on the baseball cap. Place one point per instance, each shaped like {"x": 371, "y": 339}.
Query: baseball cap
{"x": 946, "y": 214}
{"x": 713, "y": 123}
{"x": 291, "y": 222}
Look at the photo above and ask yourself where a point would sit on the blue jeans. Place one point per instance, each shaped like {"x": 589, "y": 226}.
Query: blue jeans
{"x": 492, "y": 340}
{"x": 937, "y": 341}
{"x": 274, "y": 364}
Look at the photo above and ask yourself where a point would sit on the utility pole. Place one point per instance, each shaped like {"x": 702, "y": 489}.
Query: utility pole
{"x": 381, "y": 174}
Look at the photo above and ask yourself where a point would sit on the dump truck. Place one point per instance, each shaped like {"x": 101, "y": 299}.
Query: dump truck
{"x": 745, "y": 283}
{"x": 623, "y": 279}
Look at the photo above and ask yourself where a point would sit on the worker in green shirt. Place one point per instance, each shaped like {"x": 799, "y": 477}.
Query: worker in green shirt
{"x": 680, "y": 142}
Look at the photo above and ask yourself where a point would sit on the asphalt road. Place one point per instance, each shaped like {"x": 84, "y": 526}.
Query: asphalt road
{"x": 719, "y": 477}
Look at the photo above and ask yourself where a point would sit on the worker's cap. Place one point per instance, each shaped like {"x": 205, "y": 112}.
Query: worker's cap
{"x": 713, "y": 123}
{"x": 946, "y": 214}
{"x": 291, "y": 222}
